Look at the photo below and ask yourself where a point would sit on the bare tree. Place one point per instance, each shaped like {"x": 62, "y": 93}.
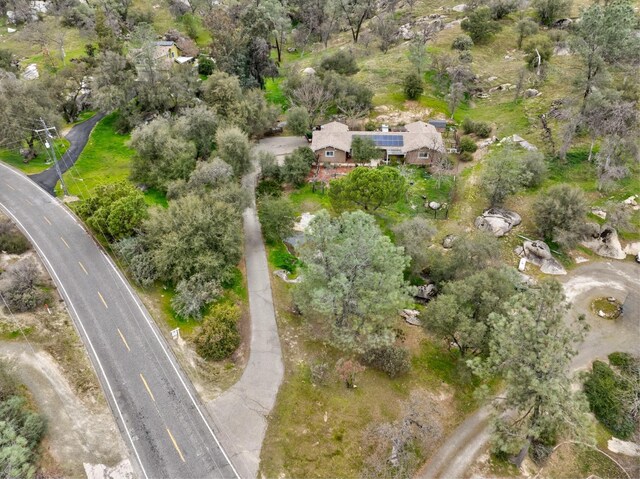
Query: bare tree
{"x": 455, "y": 96}
{"x": 355, "y": 13}
{"x": 385, "y": 29}
{"x": 312, "y": 95}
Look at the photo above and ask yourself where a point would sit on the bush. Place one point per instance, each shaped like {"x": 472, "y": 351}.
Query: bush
{"x": 342, "y": 62}
{"x": 269, "y": 188}
{"x": 465, "y": 156}
{"x": 319, "y": 373}
{"x": 297, "y": 166}
{"x": 412, "y": 85}
{"x": 277, "y": 217}
{"x": 462, "y": 42}
{"x": 298, "y": 120}
{"x": 480, "y": 128}
{"x": 193, "y": 294}
{"x": 605, "y": 390}
{"x": 502, "y": 8}
{"x": 465, "y": 57}
{"x": 392, "y": 360}
{"x": 218, "y": 336}
{"x": 205, "y": 65}
{"x": 19, "y": 286}
{"x": 467, "y": 144}
{"x": 11, "y": 240}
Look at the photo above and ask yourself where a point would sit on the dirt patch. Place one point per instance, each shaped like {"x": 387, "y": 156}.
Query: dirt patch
{"x": 77, "y": 433}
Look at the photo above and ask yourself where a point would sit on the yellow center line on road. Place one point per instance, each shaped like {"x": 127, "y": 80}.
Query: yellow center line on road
{"x": 47, "y": 219}
{"x": 103, "y": 301}
{"x": 83, "y": 268}
{"x": 124, "y": 341}
{"x": 65, "y": 243}
{"x": 9, "y": 186}
{"x": 148, "y": 390}
{"x": 175, "y": 444}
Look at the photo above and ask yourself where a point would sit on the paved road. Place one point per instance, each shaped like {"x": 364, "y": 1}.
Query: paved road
{"x": 78, "y": 137}
{"x": 619, "y": 279}
{"x": 155, "y": 405}
{"x": 242, "y": 411}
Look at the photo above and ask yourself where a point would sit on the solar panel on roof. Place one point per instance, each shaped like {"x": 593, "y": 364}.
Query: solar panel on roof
{"x": 385, "y": 140}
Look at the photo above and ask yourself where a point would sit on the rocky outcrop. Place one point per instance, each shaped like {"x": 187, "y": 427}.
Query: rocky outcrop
{"x": 448, "y": 240}
{"x": 411, "y": 316}
{"x": 497, "y": 221}
{"x": 604, "y": 241}
{"x": 538, "y": 253}
{"x": 426, "y": 292}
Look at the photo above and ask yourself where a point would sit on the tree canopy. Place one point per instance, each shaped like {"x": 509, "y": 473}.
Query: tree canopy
{"x": 367, "y": 188}
{"x": 352, "y": 279}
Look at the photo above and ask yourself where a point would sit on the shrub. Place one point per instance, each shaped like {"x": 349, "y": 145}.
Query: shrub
{"x": 269, "y": 188}
{"x": 19, "y": 286}
{"x": 462, "y": 42}
{"x": 319, "y": 373}
{"x": 465, "y": 57}
{"x": 193, "y": 294}
{"x": 605, "y": 390}
{"x": 480, "y": 26}
{"x": 625, "y": 362}
{"x": 502, "y": 8}
{"x": 218, "y": 336}
{"x": 412, "y": 85}
{"x": 480, "y": 128}
{"x": 297, "y": 165}
{"x": 392, "y": 360}
{"x": 11, "y": 240}
{"x": 342, "y": 62}
{"x": 467, "y": 144}
{"x": 277, "y": 217}
{"x": 465, "y": 156}
{"x": 205, "y": 65}
{"x": 298, "y": 120}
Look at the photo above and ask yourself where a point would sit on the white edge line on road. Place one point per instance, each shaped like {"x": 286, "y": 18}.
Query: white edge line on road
{"x": 142, "y": 310}
{"x": 52, "y": 272}
{"x": 153, "y": 330}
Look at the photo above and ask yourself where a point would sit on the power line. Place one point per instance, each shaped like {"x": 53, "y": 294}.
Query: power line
{"x": 51, "y": 150}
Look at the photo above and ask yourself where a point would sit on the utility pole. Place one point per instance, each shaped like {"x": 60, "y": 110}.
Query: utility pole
{"x": 45, "y": 136}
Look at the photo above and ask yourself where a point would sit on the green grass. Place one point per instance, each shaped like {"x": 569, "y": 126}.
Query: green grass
{"x": 280, "y": 258}
{"x": 305, "y": 199}
{"x": 105, "y": 159}
{"x": 36, "y": 165}
{"x": 274, "y": 94}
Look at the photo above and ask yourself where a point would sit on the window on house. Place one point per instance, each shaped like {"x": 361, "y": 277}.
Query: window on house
{"x": 423, "y": 155}
{"x": 329, "y": 153}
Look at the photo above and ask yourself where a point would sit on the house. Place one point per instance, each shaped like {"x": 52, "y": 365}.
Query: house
{"x": 418, "y": 144}
{"x": 164, "y": 55}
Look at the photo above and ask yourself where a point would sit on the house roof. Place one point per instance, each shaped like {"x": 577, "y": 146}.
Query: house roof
{"x": 164, "y": 43}
{"x": 418, "y": 135}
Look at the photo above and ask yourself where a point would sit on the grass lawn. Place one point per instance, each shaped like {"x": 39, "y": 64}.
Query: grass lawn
{"x": 38, "y": 164}
{"x": 105, "y": 159}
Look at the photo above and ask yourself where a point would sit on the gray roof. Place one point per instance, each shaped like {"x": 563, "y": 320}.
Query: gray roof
{"x": 418, "y": 135}
{"x": 164, "y": 43}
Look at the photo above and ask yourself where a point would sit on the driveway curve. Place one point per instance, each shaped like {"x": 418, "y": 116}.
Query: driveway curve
{"x": 241, "y": 412}
{"x": 618, "y": 279}
{"x": 78, "y": 137}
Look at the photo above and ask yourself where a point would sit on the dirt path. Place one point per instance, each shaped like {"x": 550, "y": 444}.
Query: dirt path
{"x": 619, "y": 279}
{"x": 76, "y": 433}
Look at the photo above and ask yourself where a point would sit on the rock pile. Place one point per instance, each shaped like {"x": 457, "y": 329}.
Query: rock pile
{"x": 538, "y": 253}
{"x": 497, "y": 221}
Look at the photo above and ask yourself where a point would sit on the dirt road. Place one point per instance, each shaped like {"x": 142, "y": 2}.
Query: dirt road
{"x": 77, "y": 433}
{"x": 618, "y": 279}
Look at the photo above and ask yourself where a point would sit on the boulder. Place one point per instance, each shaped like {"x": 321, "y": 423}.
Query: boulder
{"x": 600, "y": 213}
{"x": 411, "y": 316}
{"x": 538, "y": 253}
{"x": 632, "y": 248}
{"x": 459, "y": 8}
{"x": 626, "y": 448}
{"x": 492, "y": 78}
{"x": 487, "y": 142}
{"x": 531, "y": 92}
{"x": 562, "y": 23}
{"x": 308, "y": 71}
{"x": 497, "y": 221}
{"x": 426, "y": 292}
{"x": 31, "y": 72}
{"x": 448, "y": 240}
{"x": 434, "y": 205}
{"x": 604, "y": 241}
{"x": 11, "y": 30}
{"x": 405, "y": 32}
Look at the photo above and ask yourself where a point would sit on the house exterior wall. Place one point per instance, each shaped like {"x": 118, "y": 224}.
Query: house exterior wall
{"x": 340, "y": 156}
{"x": 413, "y": 157}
